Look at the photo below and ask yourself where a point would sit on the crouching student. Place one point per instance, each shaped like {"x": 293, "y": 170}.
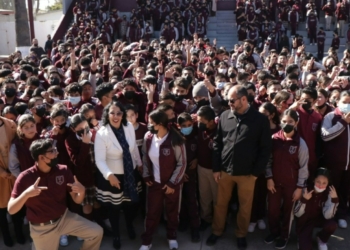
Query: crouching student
{"x": 316, "y": 208}
{"x": 286, "y": 175}
{"x": 189, "y": 215}
{"x": 43, "y": 189}
{"x": 164, "y": 164}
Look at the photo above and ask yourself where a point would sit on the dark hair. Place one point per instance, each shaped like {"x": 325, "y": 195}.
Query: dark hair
{"x": 324, "y": 92}
{"x": 249, "y": 85}
{"x": 86, "y": 108}
{"x": 105, "y": 113}
{"x": 207, "y": 113}
{"x": 21, "y": 107}
{"x": 10, "y": 110}
{"x": 73, "y": 87}
{"x": 311, "y": 92}
{"x": 164, "y": 107}
{"x": 160, "y": 118}
{"x": 76, "y": 120}
{"x": 57, "y": 110}
{"x": 324, "y": 172}
{"x": 40, "y": 147}
{"x": 33, "y": 80}
{"x": 241, "y": 91}
{"x": 33, "y": 100}
{"x": 292, "y": 113}
{"x": 131, "y": 107}
{"x": 183, "y": 117}
{"x": 269, "y": 107}
{"x": 57, "y": 90}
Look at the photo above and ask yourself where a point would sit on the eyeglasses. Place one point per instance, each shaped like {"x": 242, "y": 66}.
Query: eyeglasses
{"x": 52, "y": 151}
{"x": 234, "y": 100}
{"x": 119, "y": 113}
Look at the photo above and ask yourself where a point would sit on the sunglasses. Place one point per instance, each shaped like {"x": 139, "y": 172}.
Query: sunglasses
{"x": 232, "y": 101}
{"x": 52, "y": 151}
{"x": 119, "y": 113}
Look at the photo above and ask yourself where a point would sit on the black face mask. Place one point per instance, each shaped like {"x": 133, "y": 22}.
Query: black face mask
{"x": 40, "y": 111}
{"x": 293, "y": 87}
{"x": 248, "y": 49}
{"x": 287, "y": 128}
{"x": 194, "y": 61}
{"x": 23, "y": 76}
{"x": 54, "y": 81}
{"x": 151, "y": 129}
{"x": 202, "y": 102}
{"x": 10, "y": 92}
{"x": 129, "y": 94}
{"x": 202, "y": 126}
{"x": 179, "y": 98}
{"x": 99, "y": 81}
{"x": 232, "y": 75}
{"x": 312, "y": 84}
{"x": 306, "y": 106}
{"x": 251, "y": 98}
{"x": 53, "y": 162}
{"x": 272, "y": 95}
{"x": 189, "y": 79}
{"x": 30, "y": 92}
{"x": 321, "y": 106}
{"x": 334, "y": 102}
{"x": 80, "y": 133}
{"x": 63, "y": 125}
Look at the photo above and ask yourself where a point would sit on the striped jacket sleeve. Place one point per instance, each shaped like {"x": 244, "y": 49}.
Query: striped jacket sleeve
{"x": 330, "y": 207}
{"x": 303, "y": 162}
{"x": 180, "y": 155}
{"x": 328, "y": 131}
{"x": 299, "y": 209}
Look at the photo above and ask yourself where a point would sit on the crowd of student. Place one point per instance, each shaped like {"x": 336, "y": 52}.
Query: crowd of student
{"x": 178, "y": 119}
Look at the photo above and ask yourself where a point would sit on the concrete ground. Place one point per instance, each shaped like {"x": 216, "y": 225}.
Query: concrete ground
{"x": 339, "y": 241}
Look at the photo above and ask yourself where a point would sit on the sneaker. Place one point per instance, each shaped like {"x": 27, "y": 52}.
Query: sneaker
{"x": 173, "y": 245}
{"x": 270, "y": 239}
{"x": 342, "y": 223}
{"x": 241, "y": 243}
{"x": 321, "y": 244}
{"x": 64, "y": 241}
{"x": 261, "y": 224}
{"x": 195, "y": 236}
{"x": 211, "y": 241}
{"x": 251, "y": 227}
{"x": 80, "y": 239}
{"x": 144, "y": 247}
{"x": 281, "y": 243}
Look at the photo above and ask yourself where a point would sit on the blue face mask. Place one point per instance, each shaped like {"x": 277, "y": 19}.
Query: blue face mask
{"x": 344, "y": 107}
{"x": 221, "y": 85}
{"x": 187, "y": 131}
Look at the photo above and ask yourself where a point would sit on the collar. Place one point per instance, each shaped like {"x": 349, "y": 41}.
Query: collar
{"x": 42, "y": 174}
{"x": 156, "y": 139}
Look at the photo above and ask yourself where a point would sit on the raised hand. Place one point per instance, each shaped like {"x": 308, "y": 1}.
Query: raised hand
{"x": 333, "y": 192}
{"x": 77, "y": 187}
{"x": 34, "y": 190}
{"x": 307, "y": 195}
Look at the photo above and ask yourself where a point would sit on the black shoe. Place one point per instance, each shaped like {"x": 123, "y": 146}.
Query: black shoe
{"x": 204, "y": 225}
{"x": 281, "y": 243}
{"x": 211, "y": 241}
{"x": 183, "y": 226}
{"x": 131, "y": 233}
{"x": 116, "y": 243}
{"x": 270, "y": 239}
{"x": 195, "y": 236}
{"x": 8, "y": 242}
{"x": 20, "y": 239}
{"x": 241, "y": 243}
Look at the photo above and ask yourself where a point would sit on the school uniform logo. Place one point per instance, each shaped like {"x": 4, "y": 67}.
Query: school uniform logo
{"x": 314, "y": 126}
{"x": 292, "y": 149}
{"x": 193, "y": 147}
{"x": 60, "y": 179}
{"x": 166, "y": 151}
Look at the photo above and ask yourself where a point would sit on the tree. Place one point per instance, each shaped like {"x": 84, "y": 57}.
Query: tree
{"x": 21, "y": 23}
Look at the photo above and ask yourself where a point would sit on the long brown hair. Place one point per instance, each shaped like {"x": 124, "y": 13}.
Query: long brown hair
{"x": 22, "y": 121}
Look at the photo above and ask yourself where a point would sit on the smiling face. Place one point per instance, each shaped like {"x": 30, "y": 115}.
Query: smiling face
{"x": 115, "y": 116}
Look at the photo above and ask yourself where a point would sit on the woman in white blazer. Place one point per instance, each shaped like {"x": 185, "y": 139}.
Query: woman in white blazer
{"x": 117, "y": 157}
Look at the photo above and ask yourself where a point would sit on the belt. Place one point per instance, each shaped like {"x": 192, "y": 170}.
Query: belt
{"x": 50, "y": 222}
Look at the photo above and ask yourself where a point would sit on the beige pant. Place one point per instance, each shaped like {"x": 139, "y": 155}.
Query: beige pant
{"x": 341, "y": 27}
{"x": 245, "y": 185}
{"x": 328, "y": 22}
{"x": 207, "y": 193}
{"x": 48, "y": 237}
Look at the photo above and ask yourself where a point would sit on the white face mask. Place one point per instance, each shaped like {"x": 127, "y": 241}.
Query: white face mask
{"x": 280, "y": 72}
{"x": 74, "y": 99}
{"x": 344, "y": 107}
{"x": 221, "y": 85}
{"x": 222, "y": 71}
{"x": 319, "y": 190}
{"x": 56, "y": 99}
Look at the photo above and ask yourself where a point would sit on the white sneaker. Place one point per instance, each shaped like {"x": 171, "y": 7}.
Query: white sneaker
{"x": 64, "y": 241}
{"x": 321, "y": 244}
{"x": 173, "y": 244}
{"x": 342, "y": 223}
{"x": 80, "y": 239}
{"x": 261, "y": 224}
{"x": 251, "y": 227}
{"x": 144, "y": 247}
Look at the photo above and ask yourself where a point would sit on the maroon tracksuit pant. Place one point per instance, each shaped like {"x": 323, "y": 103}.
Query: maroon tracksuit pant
{"x": 156, "y": 198}
{"x": 341, "y": 182}
{"x": 304, "y": 232}
{"x": 313, "y": 35}
{"x": 284, "y": 194}
{"x": 259, "y": 201}
{"x": 189, "y": 204}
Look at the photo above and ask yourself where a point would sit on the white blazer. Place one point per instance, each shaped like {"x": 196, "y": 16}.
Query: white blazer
{"x": 109, "y": 153}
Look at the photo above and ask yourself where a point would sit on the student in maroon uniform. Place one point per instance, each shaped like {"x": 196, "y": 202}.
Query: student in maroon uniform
{"x": 164, "y": 164}
{"x": 335, "y": 134}
{"x": 322, "y": 107}
{"x": 260, "y": 191}
{"x": 189, "y": 206}
{"x": 286, "y": 175}
{"x": 38, "y": 109}
{"x": 316, "y": 209}
{"x": 104, "y": 93}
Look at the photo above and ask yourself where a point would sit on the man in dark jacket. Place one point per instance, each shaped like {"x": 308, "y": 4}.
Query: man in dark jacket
{"x": 36, "y": 48}
{"x": 241, "y": 150}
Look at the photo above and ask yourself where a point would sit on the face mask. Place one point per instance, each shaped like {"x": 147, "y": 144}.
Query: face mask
{"x": 10, "y": 92}
{"x": 222, "y": 71}
{"x": 306, "y": 106}
{"x": 344, "y": 107}
{"x": 272, "y": 95}
{"x": 151, "y": 129}
{"x": 202, "y": 126}
{"x": 319, "y": 190}
{"x": 74, "y": 99}
{"x": 232, "y": 75}
{"x": 203, "y": 102}
{"x": 248, "y": 49}
{"x": 251, "y": 98}
{"x": 23, "y": 76}
{"x": 52, "y": 163}
{"x": 179, "y": 98}
{"x": 280, "y": 72}
{"x": 54, "y": 81}
{"x": 221, "y": 85}
{"x": 312, "y": 84}
{"x": 40, "y": 111}
{"x": 287, "y": 128}
{"x": 194, "y": 61}
{"x": 187, "y": 131}
{"x": 56, "y": 99}
{"x": 80, "y": 133}
{"x": 189, "y": 79}
{"x": 129, "y": 94}
{"x": 62, "y": 126}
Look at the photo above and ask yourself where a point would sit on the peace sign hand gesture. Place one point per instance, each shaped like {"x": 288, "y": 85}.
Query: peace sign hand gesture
{"x": 34, "y": 190}
{"x": 307, "y": 195}
{"x": 333, "y": 192}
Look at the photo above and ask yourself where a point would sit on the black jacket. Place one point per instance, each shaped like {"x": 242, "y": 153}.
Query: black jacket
{"x": 242, "y": 146}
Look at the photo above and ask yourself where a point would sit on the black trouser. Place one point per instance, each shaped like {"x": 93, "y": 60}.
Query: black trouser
{"x": 130, "y": 212}
{"x": 17, "y": 220}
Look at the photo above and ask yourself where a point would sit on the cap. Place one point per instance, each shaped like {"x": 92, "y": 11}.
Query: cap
{"x": 199, "y": 90}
